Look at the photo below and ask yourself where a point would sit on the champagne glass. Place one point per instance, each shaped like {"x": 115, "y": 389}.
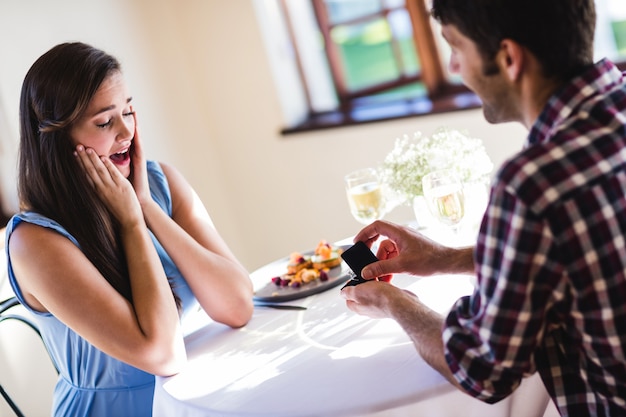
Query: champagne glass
{"x": 365, "y": 195}
{"x": 443, "y": 191}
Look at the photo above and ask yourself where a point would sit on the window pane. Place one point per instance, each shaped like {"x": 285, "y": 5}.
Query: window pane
{"x": 401, "y": 27}
{"x": 367, "y": 54}
{"x": 367, "y": 50}
{"x": 610, "y": 40}
{"x": 617, "y": 13}
{"x": 619, "y": 31}
{"x": 391, "y": 4}
{"x": 345, "y": 10}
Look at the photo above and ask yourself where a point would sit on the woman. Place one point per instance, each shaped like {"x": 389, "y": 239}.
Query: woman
{"x": 110, "y": 251}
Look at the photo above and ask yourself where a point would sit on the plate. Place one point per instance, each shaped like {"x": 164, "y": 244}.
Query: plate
{"x": 273, "y": 292}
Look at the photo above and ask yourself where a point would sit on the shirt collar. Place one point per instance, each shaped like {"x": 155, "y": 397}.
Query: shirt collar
{"x": 600, "y": 77}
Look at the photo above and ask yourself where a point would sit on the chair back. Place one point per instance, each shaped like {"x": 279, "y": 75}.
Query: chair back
{"x": 12, "y": 311}
{"x": 26, "y": 377}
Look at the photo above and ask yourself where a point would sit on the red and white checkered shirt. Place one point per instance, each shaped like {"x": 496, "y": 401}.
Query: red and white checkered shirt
{"x": 551, "y": 259}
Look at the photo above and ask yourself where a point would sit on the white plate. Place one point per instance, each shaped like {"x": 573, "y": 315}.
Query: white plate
{"x": 273, "y": 292}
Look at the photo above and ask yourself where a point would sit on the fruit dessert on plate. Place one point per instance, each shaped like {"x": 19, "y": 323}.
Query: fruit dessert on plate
{"x": 297, "y": 262}
{"x": 326, "y": 255}
{"x": 302, "y": 270}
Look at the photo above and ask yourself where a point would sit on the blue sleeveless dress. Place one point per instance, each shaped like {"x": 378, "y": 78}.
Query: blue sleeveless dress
{"x": 92, "y": 383}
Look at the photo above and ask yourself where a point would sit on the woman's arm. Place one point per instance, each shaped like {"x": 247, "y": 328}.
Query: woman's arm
{"x": 55, "y": 276}
{"x": 219, "y": 282}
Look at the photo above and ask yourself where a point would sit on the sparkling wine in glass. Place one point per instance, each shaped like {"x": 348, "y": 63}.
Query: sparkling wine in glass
{"x": 443, "y": 192}
{"x": 365, "y": 195}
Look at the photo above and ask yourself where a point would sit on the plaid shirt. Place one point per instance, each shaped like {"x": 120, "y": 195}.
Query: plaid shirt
{"x": 551, "y": 259}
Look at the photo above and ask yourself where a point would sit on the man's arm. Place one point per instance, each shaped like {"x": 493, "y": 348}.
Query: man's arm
{"x": 424, "y": 326}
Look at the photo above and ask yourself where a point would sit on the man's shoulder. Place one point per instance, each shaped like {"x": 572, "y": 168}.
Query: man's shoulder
{"x": 575, "y": 157}
{"x": 524, "y": 168}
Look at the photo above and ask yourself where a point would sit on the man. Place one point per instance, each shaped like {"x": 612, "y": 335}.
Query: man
{"x": 550, "y": 258}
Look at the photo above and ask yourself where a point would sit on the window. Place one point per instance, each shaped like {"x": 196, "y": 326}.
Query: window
{"x": 611, "y": 30}
{"x": 371, "y": 47}
{"x": 343, "y": 62}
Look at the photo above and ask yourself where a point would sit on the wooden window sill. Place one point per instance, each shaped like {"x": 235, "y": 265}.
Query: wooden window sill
{"x": 380, "y": 112}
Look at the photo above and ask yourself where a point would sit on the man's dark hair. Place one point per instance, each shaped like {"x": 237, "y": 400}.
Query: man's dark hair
{"x": 559, "y": 33}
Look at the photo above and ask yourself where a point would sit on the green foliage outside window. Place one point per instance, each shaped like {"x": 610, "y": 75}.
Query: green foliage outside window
{"x": 368, "y": 56}
{"x": 619, "y": 31}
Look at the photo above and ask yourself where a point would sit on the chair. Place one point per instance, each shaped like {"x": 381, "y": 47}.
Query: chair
{"x": 5, "y": 315}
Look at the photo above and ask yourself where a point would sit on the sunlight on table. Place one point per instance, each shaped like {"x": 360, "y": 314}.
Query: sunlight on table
{"x": 267, "y": 351}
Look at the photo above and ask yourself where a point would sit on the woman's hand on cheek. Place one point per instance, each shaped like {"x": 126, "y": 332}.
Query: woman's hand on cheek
{"x": 139, "y": 173}
{"x": 113, "y": 189}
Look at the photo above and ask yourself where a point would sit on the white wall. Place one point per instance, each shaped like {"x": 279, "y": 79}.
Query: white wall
{"x": 206, "y": 102}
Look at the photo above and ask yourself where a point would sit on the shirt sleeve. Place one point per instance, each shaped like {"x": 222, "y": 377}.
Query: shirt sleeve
{"x": 490, "y": 336}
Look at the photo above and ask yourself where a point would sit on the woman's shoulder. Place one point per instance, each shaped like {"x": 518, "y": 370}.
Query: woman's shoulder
{"x": 35, "y": 226}
{"x": 180, "y": 192}
{"x": 34, "y": 218}
{"x": 168, "y": 175}
{"x": 162, "y": 168}
{"x": 159, "y": 186}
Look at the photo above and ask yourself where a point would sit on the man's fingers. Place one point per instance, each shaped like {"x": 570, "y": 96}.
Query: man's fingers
{"x": 377, "y": 269}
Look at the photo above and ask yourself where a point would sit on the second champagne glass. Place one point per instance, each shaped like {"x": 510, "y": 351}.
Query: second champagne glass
{"x": 443, "y": 191}
{"x": 365, "y": 195}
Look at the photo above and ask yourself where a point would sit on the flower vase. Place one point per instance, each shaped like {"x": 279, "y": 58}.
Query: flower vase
{"x": 422, "y": 214}
{"x": 476, "y": 199}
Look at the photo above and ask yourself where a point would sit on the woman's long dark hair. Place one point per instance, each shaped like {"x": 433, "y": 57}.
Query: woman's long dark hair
{"x": 56, "y": 92}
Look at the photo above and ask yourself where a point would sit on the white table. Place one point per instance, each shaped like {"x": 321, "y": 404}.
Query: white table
{"x": 323, "y": 361}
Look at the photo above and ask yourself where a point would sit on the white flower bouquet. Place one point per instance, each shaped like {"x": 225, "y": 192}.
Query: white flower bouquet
{"x": 412, "y": 158}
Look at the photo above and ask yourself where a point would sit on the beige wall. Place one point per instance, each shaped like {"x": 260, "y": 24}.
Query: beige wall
{"x": 206, "y": 102}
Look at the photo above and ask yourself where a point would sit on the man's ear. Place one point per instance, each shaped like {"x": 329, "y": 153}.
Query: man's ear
{"x": 511, "y": 58}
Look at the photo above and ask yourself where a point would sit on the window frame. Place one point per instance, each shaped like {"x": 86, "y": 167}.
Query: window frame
{"x": 354, "y": 107}
{"x": 358, "y": 107}
{"x": 431, "y": 73}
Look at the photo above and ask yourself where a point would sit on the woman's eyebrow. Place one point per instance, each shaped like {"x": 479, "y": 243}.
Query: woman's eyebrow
{"x": 111, "y": 107}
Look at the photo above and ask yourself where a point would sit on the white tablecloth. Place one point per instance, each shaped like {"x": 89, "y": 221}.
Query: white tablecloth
{"x": 324, "y": 361}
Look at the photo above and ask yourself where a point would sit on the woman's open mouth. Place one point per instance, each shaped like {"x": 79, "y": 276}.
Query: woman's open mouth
{"x": 120, "y": 158}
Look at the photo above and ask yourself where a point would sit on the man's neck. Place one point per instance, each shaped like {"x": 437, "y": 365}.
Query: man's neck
{"x": 535, "y": 93}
